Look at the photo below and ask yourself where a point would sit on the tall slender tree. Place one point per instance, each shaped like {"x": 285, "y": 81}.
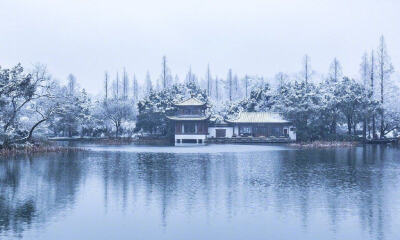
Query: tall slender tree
{"x": 335, "y": 71}
{"x": 149, "y": 84}
{"x": 385, "y": 69}
{"x": 116, "y": 87}
{"x": 165, "y": 75}
{"x": 364, "y": 72}
{"x": 229, "y": 84}
{"x": 281, "y": 78}
{"x": 125, "y": 85}
{"x": 236, "y": 86}
{"x": 306, "y": 72}
{"x": 216, "y": 88}
{"x": 135, "y": 89}
{"x": 208, "y": 80}
{"x": 71, "y": 84}
{"x": 246, "y": 84}
{"x": 372, "y": 85}
{"x": 106, "y": 79}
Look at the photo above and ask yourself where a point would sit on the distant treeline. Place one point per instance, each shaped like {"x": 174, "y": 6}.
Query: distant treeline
{"x": 323, "y": 108}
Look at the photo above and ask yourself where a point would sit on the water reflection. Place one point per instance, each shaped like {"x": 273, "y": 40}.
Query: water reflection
{"x": 34, "y": 189}
{"x": 329, "y": 194}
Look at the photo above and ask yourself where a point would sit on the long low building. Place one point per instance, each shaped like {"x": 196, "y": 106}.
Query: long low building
{"x": 194, "y": 126}
{"x": 262, "y": 124}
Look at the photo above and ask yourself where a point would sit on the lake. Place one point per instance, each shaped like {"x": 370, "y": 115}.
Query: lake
{"x": 208, "y": 192}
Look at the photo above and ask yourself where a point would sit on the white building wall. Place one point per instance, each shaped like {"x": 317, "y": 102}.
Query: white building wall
{"x": 292, "y": 133}
{"x": 197, "y": 137}
{"x": 212, "y": 132}
{"x": 236, "y": 130}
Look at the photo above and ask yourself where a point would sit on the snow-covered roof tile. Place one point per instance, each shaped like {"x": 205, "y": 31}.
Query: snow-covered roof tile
{"x": 259, "y": 117}
{"x": 191, "y": 102}
{"x": 187, "y": 118}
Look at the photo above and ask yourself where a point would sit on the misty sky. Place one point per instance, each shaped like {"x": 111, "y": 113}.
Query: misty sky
{"x": 87, "y": 37}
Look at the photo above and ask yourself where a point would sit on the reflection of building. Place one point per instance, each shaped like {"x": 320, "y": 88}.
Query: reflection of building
{"x": 190, "y": 122}
{"x": 192, "y": 126}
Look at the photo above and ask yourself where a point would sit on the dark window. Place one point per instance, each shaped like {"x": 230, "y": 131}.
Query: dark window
{"x": 178, "y": 128}
{"x": 189, "y": 141}
{"x": 220, "y": 133}
{"x": 189, "y": 128}
{"x": 200, "y": 140}
{"x": 245, "y": 130}
{"x": 178, "y": 141}
{"x": 195, "y": 111}
{"x": 276, "y": 131}
{"x": 285, "y": 131}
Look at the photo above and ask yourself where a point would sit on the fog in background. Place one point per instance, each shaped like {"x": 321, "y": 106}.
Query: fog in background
{"x": 87, "y": 37}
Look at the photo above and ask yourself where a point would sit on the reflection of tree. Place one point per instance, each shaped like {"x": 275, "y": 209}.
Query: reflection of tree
{"x": 174, "y": 180}
{"x": 339, "y": 184}
{"x": 35, "y": 188}
{"x": 346, "y": 178}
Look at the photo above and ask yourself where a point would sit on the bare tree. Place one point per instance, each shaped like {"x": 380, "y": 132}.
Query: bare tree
{"x": 372, "y": 85}
{"x": 106, "y": 77}
{"x": 229, "y": 84}
{"x": 364, "y": 69}
{"x": 125, "y": 85}
{"x": 149, "y": 84}
{"x": 246, "y": 84}
{"x": 385, "y": 69}
{"x": 165, "y": 73}
{"x": 190, "y": 77}
{"x": 335, "y": 71}
{"x": 216, "y": 88}
{"x": 117, "y": 111}
{"x": 306, "y": 72}
{"x": 364, "y": 72}
{"x": 281, "y": 78}
{"x": 71, "y": 84}
{"x": 135, "y": 89}
{"x": 116, "y": 87}
{"x": 176, "y": 80}
{"x": 236, "y": 86}
{"x": 208, "y": 80}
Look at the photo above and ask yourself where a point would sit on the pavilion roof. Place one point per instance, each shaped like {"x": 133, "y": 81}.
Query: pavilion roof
{"x": 190, "y": 102}
{"x": 188, "y": 118}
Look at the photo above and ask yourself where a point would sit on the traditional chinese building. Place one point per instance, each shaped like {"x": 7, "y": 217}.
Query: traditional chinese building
{"x": 262, "y": 124}
{"x": 191, "y": 122}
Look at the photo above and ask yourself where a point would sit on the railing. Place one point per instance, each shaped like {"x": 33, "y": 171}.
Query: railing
{"x": 249, "y": 140}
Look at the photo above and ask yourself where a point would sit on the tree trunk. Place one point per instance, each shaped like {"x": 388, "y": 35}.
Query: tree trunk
{"x": 365, "y": 129}
{"x": 116, "y": 130}
{"x": 349, "y": 125}
{"x": 333, "y": 127}
{"x": 373, "y": 127}
{"x": 33, "y": 129}
{"x": 382, "y": 134}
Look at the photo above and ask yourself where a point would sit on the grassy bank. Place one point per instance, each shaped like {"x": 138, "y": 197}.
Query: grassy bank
{"x": 324, "y": 144}
{"x": 36, "y": 148}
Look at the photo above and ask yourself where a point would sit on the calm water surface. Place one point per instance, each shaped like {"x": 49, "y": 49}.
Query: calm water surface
{"x": 212, "y": 192}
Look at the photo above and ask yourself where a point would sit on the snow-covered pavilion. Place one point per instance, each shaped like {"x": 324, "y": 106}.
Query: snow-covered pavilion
{"x": 191, "y": 122}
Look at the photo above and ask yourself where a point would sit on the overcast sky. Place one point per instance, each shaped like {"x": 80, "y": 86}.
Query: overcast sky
{"x": 87, "y": 37}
